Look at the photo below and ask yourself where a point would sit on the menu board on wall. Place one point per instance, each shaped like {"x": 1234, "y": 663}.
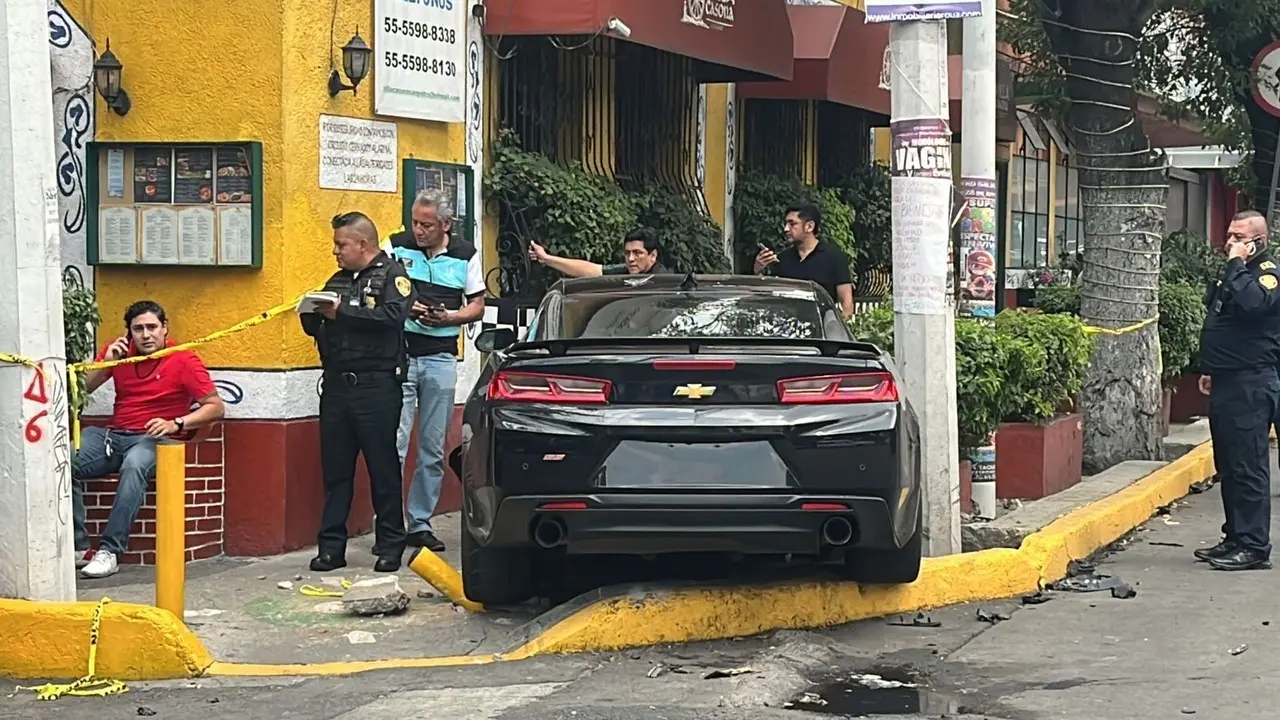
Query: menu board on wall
{"x": 152, "y": 180}
{"x": 235, "y": 178}
{"x": 186, "y": 205}
{"x": 235, "y": 236}
{"x": 192, "y": 176}
{"x": 118, "y": 235}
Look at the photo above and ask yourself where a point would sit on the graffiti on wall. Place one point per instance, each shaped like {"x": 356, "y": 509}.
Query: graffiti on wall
{"x": 71, "y": 56}
{"x": 47, "y": 413}
{"x": 730, "y": 167}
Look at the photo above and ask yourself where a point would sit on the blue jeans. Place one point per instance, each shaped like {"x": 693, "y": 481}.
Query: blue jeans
{"x": 428, "y": 392}
{"x": 103, "y": 452}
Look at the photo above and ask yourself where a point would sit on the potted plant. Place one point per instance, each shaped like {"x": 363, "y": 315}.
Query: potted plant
{"x": 1187, "y": 258}
{"x": 1181, "y": 318}
{"x": 1039, "y": 448}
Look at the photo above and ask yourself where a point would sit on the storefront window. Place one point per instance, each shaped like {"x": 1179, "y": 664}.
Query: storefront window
{"x": 1029, "y": 191}
{"x": 1068, "y": 226}
{"x": 1186, "y": 207}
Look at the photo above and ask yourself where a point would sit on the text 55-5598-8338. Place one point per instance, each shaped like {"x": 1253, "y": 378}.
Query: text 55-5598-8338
{"x": 425, "y": 31}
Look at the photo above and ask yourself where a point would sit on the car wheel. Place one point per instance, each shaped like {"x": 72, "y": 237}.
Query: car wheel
{"x": 888, "y": 567}
{"x": 494, "y": 576}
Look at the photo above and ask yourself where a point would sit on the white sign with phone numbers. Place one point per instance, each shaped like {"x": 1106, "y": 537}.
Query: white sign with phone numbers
{"x": 420, "y": 59}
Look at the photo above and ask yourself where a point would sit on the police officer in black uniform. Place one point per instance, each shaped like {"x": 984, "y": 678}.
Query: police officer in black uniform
{"x": 362, "y": 351}
{"x": 1239, "y": 350}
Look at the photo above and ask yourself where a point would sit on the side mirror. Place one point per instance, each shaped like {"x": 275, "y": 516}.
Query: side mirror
{"x": 495, "y": 339}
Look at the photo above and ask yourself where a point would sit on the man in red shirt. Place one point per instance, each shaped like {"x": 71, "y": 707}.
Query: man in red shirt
{"x": 155, "y": 399}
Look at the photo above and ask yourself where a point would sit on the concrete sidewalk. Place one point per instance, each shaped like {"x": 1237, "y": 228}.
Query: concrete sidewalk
{"x": 240, "y": 611}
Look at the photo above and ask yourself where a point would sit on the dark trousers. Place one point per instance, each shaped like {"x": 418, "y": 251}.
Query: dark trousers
{"x": 359, "y": 414}
{"x": 1242, "y": 408}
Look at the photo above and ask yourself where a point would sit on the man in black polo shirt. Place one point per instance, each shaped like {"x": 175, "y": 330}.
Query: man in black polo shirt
{"x": 809, "y": 258}
{"x": 639, "y": 248}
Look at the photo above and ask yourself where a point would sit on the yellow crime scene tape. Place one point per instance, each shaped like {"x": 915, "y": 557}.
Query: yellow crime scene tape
{"x": 89, "y": 685}
{"x": 1094, "y": 330}
{"x": 74, "y": 369}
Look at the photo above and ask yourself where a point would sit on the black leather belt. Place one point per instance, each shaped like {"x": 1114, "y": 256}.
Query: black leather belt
{"x": 353, "y": 379}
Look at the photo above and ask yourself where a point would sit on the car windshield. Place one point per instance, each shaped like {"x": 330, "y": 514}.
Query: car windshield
{"x": 608, "y": 315}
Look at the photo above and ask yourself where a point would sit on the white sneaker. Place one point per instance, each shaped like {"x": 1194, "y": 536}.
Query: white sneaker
{"x": 83, "y": 558}
{"x": 104, "y": 564}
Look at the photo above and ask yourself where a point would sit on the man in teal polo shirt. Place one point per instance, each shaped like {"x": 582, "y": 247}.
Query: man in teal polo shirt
{"x": 448, "y": 275}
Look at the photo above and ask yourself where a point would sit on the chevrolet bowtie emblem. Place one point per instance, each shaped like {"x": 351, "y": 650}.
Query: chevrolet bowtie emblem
{"x": 694, "y": 391}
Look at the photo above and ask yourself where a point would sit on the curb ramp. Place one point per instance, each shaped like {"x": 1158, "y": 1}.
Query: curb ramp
{"x": 138, "y": 642}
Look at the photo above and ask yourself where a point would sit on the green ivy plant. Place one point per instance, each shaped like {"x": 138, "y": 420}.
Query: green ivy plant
{"x": 1022, "y": 368}
{"x": 691, "y": 240}
{"x": 1181, "y": 319}
{"x": 1187, "y": 257}
{"x": 869, "y": 191}
{"x": 574, "y": 213}
{"x": 80, "y": 320}
{"x": 1067, "y": 348}
{"x": 760, "y": 202}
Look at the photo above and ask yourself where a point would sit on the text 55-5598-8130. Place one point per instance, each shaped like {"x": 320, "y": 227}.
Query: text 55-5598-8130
{"x": 434, "y": 66}
{"x": 426, "y": 31}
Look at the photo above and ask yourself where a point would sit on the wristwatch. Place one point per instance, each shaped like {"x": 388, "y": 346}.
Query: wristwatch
{"x": 180, "y": 423}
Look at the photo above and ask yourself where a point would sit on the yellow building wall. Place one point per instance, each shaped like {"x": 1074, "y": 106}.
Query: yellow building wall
{"x": 716, "y": 145}
{"x": 212, "y": 71}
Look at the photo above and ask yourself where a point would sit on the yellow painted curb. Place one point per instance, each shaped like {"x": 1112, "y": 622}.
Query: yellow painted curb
{"x": 39, "y": 640}
{"x": 136, "y": 642}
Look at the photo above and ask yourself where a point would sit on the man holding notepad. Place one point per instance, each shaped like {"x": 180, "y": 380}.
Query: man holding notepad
{"x": 358, "y": 321}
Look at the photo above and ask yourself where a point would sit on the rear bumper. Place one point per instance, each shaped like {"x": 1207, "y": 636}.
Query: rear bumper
{"x": 643, "y": 524}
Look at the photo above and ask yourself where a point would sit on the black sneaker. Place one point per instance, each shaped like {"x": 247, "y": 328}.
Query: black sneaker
{"x": 426, "y": 539}
{"x": 1221, "y": 550}
{"x": 1242, "y": 559}
{"x": 326, "y": 562}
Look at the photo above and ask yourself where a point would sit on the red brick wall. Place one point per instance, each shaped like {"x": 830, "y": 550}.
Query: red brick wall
{"x": 204, "y": 536}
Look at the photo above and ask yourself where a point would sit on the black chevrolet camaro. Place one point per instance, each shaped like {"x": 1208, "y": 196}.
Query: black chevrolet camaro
{"x": 657, "y": 414}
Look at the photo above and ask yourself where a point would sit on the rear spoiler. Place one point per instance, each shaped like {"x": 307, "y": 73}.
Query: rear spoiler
{"x": 828, "y": 348}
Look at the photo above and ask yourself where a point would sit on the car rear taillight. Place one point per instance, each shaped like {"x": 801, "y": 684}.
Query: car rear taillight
{"x": 536, "y": 387}
{"x": 855, "y": 388}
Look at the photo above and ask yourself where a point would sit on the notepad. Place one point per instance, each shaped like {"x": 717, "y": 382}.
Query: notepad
{"x": 316, "y": 301}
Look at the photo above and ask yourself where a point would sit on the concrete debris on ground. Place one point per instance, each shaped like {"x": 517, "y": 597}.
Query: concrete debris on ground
{"x": 360, "y": 637}
{"x": 376, "y": 596}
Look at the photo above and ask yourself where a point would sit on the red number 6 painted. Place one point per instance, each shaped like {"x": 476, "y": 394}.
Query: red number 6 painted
{"x": 33, "y": 432}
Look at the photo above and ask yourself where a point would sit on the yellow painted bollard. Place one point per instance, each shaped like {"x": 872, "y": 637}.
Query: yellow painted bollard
{"x": 430, "y": 567}
{"x": 171, "y": 527}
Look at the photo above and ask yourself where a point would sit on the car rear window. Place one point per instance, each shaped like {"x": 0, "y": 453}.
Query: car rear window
{"x": 786, "y": 315}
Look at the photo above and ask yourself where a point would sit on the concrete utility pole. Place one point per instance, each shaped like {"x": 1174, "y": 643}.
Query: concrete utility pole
{"x": 923, "y": 304}
{"x": 35, "y": 452}
{"x": 978, "y": 233}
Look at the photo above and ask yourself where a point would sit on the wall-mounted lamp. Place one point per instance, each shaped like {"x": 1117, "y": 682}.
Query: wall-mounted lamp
{"x": 355, "y": 63}
{"x": 617, "y": 27}
{"x": 107, "y": 71}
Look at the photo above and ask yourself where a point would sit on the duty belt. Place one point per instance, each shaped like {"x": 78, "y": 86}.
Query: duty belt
{"x": 353, "y": 379}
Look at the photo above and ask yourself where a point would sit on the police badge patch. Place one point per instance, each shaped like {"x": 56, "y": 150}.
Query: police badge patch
{"x": 403, "y": 286}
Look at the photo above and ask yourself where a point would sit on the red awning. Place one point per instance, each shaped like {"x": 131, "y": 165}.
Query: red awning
{"x": 839, "y": 58}
{"x": 746, "y": 40}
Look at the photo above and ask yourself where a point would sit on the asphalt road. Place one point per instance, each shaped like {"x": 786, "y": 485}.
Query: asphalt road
{"x": 1165, "y": 653}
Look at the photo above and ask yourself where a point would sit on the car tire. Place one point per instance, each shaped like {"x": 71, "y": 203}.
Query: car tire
{"x": 888, "y": 567}
{"x": 494, "y": 576}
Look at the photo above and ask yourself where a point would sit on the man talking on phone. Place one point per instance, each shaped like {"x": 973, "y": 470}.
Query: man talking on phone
{"x": 1239, "y": 351}
{"x": 155, "y": 399}
{"x": 448, "y": 276}
{"x": 810, "y": 258}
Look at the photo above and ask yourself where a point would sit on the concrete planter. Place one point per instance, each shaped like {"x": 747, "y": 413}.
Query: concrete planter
{"x": 1037, "y": 460}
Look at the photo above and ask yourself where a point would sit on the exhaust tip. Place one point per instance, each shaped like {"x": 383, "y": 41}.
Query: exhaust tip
{"x": 549, "y": 533}
{"x": 837, "y": 531}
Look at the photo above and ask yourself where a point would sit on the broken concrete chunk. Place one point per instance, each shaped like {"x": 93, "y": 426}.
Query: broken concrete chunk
{"x": 377, "y": 596}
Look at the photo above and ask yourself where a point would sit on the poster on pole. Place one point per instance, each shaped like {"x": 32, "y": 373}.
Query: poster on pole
{"x": 920, "y": 166}
{"x": 420, "y": 59}
{"x": 978, "y": 248}
{"x": 899, "y": 11}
